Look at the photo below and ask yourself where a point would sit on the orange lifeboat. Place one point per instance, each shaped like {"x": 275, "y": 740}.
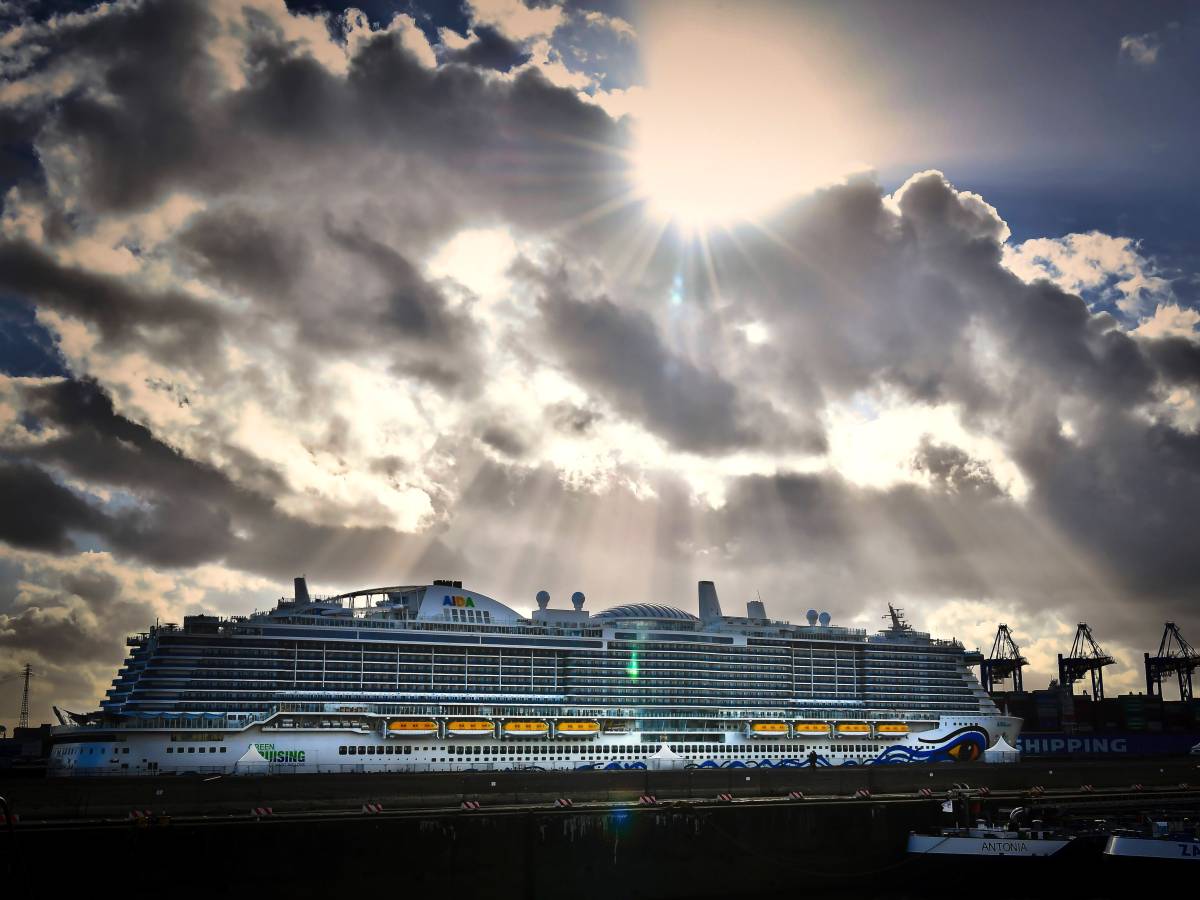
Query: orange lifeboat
{"x": 811, "y": 729}
{"x": 413, "y": 727}
{"x": 768, "y": 729}
{"x": 470, "y": 728}
{"x": 853, "y": 729}
{"x": 889, "y": 729}
{"x": 523, "y": 728}
{"x": 578, "y": 729}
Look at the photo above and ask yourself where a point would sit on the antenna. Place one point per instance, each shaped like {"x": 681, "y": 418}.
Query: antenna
{"x": 896, "y": 614}
{"x": 23, "y": 720}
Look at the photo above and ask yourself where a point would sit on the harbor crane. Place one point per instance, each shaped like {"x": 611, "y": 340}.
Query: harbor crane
{"x": 1085, "y": 658}
{"x": 1174, "y": 655}
{"x": 1005, "y": 661}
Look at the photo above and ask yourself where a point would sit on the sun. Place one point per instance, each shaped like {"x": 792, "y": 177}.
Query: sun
{"x": 734, "y": 122}
{"x": 688, "y": 174}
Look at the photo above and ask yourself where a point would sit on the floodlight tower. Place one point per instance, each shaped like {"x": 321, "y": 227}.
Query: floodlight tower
{"x": 23, "y": 719}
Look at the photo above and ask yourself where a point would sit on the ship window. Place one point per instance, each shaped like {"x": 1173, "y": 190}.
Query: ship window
{"x": 222, "y": 749}
{"x": 191, "y": 749}
{"x": 362, "y": 750}
{"x": 353, "y": 751}
{"x": 169, "y": 749}
{"x": 342, "y": 750}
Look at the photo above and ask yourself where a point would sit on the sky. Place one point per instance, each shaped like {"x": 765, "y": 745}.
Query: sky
{"x": 843, "y": 305}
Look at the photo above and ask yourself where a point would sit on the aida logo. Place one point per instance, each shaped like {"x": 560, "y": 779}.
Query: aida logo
{"x": 461, "y": 602}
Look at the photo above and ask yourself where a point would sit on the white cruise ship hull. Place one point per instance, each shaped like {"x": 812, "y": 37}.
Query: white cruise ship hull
{"x": 275, "y": 748}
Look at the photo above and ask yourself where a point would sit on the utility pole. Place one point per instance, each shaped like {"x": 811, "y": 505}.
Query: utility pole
{"x": 23, "y": 721}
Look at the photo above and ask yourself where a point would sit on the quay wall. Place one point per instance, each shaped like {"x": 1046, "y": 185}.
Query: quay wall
{"x": 108, "y": 796}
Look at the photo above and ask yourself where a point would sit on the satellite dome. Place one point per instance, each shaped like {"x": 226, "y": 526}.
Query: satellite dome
{"x": 811, "y": 615}
{"x": 577, "y": 599}
{"x": 824, "y": 618}
{"x": 543, "y": 599}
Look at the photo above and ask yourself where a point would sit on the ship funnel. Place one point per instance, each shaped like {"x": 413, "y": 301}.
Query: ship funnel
{"x": 301, "y": 594}
{"x": 756, "y": 610}
{"x": 577, "y": 599}
{"x": 710, "y": 606}
{"x": 543, "y": 599}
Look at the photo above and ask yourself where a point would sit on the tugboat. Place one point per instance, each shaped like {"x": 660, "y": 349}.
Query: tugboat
{"x": 991, "y": 840}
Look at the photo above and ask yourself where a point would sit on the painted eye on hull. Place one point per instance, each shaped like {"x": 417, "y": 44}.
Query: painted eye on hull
{"x": 967, "y": 751}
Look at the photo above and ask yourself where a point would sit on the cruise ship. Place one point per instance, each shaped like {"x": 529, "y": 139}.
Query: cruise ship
{"x": 437, "y": 677}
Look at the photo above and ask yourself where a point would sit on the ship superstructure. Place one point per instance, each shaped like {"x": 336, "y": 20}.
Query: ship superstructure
{"x": 436, "y": 677}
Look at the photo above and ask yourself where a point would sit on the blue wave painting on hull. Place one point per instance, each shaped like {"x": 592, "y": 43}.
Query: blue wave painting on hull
{"x": 964, "y": 745}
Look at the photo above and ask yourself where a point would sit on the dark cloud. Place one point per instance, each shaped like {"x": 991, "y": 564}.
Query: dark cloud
{"x": 244, "y": 253}
{"x": 171, "y": 323}
{"x": 952, "y": 468}
{"x": 186, "y": 512}
{"x": 504, "y": 439}
{"x": 573, "y": 419}
{"x": 489, "y": 50}
{"x": 618, "y": 352}
{"x": 38, "y": 513}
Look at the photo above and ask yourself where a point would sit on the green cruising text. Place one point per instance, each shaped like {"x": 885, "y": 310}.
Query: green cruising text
{"x": 437, "y": 677}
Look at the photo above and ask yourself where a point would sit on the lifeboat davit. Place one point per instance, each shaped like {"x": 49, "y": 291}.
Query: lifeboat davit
{"x": 580, "y": 729}
{"x": 470, "y": 728}
{"x": 884, "y": 729}
{"x": 811, "y": 728}
{"x": 853, "y": 729}
{"x": 768, "y": 729}
{"x": 526, "y": 728}
{"x": 413, "y": 727}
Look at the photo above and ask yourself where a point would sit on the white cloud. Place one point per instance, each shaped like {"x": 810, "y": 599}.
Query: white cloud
{"x": 1169, "y": 320}
{"x": 1141, "y": 48}
{"x": 1097, "y": 266}
{"x": 357, "y": 28}
{"x": 547, "y": 61}
{"x": 614, "y": 23}
{"x": 516, "y": 20}
{"x": 873, "y": 441}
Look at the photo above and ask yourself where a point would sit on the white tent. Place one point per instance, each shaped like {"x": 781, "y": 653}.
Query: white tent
{"x": 666, "y": 758}
{"x": 252, "y": 763}
{"x": 1002, "y": 752}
